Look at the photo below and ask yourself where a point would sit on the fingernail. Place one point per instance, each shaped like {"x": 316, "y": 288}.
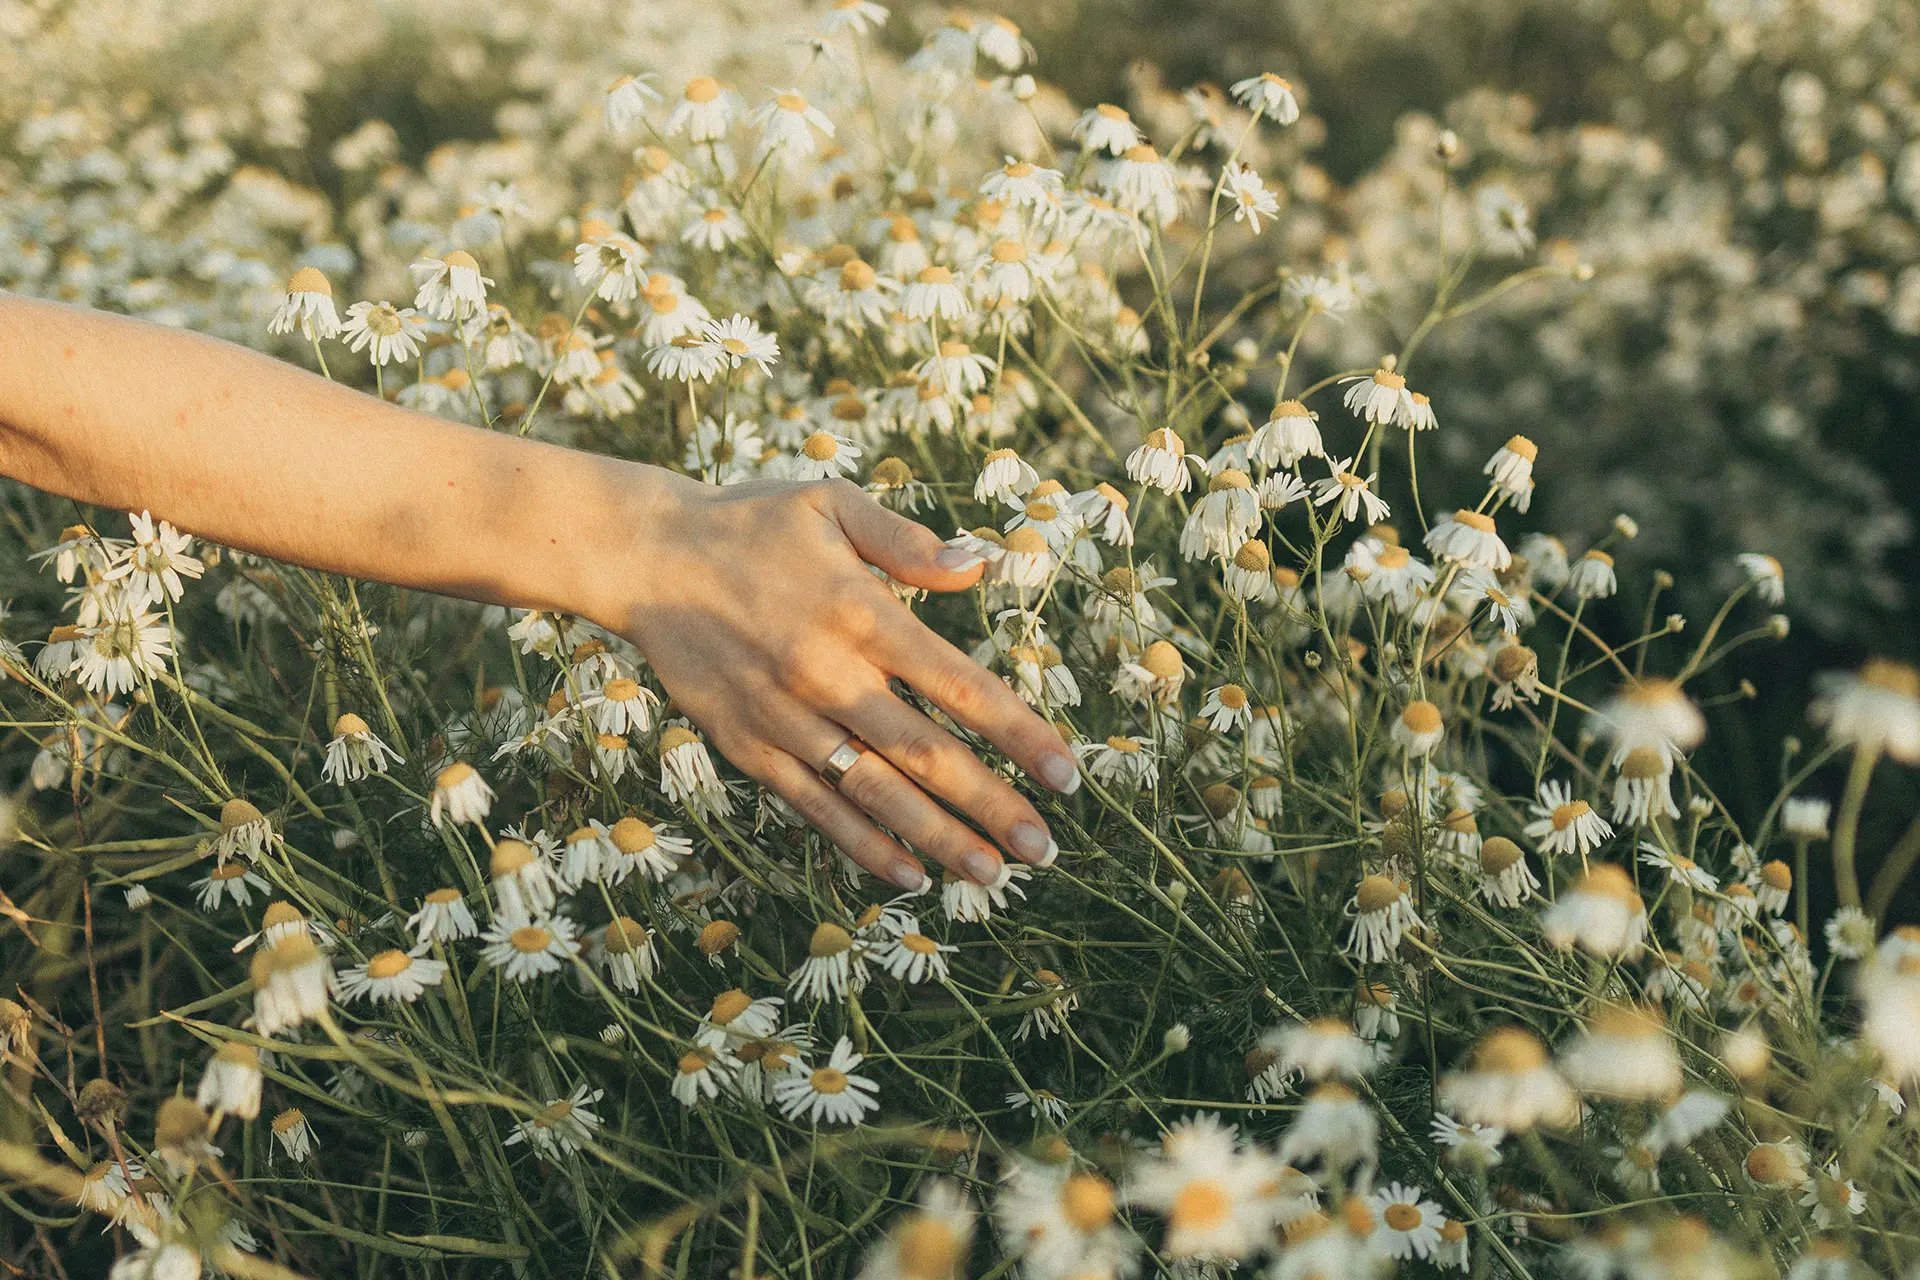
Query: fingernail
{"x": 984, "y": 867}
{"x": 1060, "y": 773}
{"x": 1051, "y": 856}
{"x": 1029, "y": 841}
{"x": 956, "y": 559}
{"x": 909, "y": 876}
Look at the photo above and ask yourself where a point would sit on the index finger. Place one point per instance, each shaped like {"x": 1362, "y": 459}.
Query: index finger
{"x": 976, "y": 699}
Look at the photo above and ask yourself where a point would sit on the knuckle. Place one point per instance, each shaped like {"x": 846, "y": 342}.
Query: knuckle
{"x": 922, "y": 756}
{"x": 960, "y": 691}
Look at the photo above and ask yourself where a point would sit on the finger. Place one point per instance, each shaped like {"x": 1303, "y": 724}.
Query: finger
{"x": 940, "y": 764}
{"x": 841, "y": 822}
{"x": 892, "y": 799}
{"x": 977, "y": 699}
{"x": 903, "y": 549}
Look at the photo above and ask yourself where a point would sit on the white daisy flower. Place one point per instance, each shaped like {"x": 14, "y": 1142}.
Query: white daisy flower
{"x": 443, "y": 917}
{"x": 833, "y": 1094}
{"x": 391, "y": 975}
{"x": 1268, "y": 95}
{"x": 307, "y": 306}
{"x": 1565, "y": 825}
{"x": 563, "y": 1126}
{"x": 355, "y": 751}
{"x": 524, "y": 952}
{"x": 1407, "y": 1223}
{"x": 739, "y": 340}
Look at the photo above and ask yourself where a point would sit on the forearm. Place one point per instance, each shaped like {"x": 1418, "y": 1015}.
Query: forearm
{"x": 254, "y": 453}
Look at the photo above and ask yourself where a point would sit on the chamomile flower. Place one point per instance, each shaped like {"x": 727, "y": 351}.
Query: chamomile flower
{"x": 524, "y": 884}
{"x": 1107, "y": 128}
{"x": 832, "y": 1094}
{"x": 355, "y": 751}
{"x": 306, "y": 306}
{"x": 1875, "y": 710}
{"x": 1407, "y": 1224}
{"x": 1591, "y": 577}
{"x": 1333, "y": 1127}
{"x": 451, "y": 288}
{"x": 625, "y": 953}
{"x": 561, "y": 1127}
{"x": 124, "y": 647}
{"x": 443, "y": 917}
{"x": 1322, "y": 1049}
{"x": 460, "y": 795}
{"x": 391, "y": 975}
{"x": 1418, "y": 729}
{"x": 700, "y": 1076}
{"x": 705, "y": 112}
{"x": 1470, "y": 1146}
{"x": 1003, "y": 475}
{"x": 1161, "y": 461}
{"x": 1249, "y": 195}
{"x": 911, "y": 956}
{"x": 1062, "y": 1221}
{"x": 856, "y": 16}
{"x": 1224, "y": 519}
{"x": 1349, "y": 493}
{"x": 1382, "y": 912}
{"x": 738, "y": 340}
{"x": 1380, "y": 397}
{"x": 627, "y": 100}
{"x": 1019, "y": 184}
{"x": 687, "y": 773}
{"x": 1623, "y": 1053}
{"x": 1511, "y": 468}
{"x": 1269, "y": 96}
{"x": 735, "y": 1017}
{"x": 1509, "y": 1084}
{"x": 788, "y": 126}
{"x": 1469, "y": 538}
{"x": 292, "y": 983}
{"x": 1118, "y": 761}
{"x": 970, "y": 902}
{"x": 1289, "y": 434}
{"x": 824, "y": 456}
{"x": 1565, "y": 825}
{"x": 835, "y": 967}
{"x": 231, "y": 1083}
{"x": 1600, "y": 912}
{"x": 523, "y": 952}
{"x": 228, "y": 882}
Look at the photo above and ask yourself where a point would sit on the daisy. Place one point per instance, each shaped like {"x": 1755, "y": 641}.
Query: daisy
{"x": 932, "y": 1241}
{"x": 307, "y": 306}
{"x": 934, "y": 294}
{"x": 705, "y": 111}
{"x": 833, "y": 1094}
{"x": 1805, "y": 817}
{"x": 561, "y": 1127}
{"x": 1141, "y": 183}
{"x": 1600, "y": 912}
{"x": 621, "y": 706}
{"x": 1469, "y": 538}
{"x": 715, "y": 229}
{"x": 528, "y": 951}
{"x": 1509, "y": 1085}
{"x": 738, "y": 340}
{"x": 834, "y": 968}
{"x": 1679, "y": 868}
{"x": 1511, "y": 467}
{"x": 244, "y": 831}
{"x": 1382, "y": 913}
{"x": 627, "y": 100}
{"x": 1160, "y": 461}
{"x": 1652, "y": 713}
{"x": 355, "y": 751}
{"x": 1623, "y": 1053}
{"x": 1268, "y": 95}
{"x": 1409, "y": 1223}
{"x": 1563, "y": 825}
{"x": 158, "y": 1261}
{"x": 1642, "y": 790}
{"x": 1832, "y": 1198}
{"x": 391, "y": 975}
{"x": 451, "y": 287}
{"x": 231, "y": 1083}
{"x": 443, "y": 917}
{"x": 1026, "y": 562}
{"x": 1394, "y": 577}
{"x": 1003, "y": 475}
{"x": 1686, "y": 1118}
{"x": 787, "y": 124}
{"x": 461, "y": 795}
{"x": 1515, "y": 671}
{"x": 1765, "y": 575}
{"x": 1350, "y": 492}
{"x": 1156, "y": 678}
{"x": 624, "y": 951}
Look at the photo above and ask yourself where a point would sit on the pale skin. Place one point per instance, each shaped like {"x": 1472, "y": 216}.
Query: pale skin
{"x": 753, "y": 603}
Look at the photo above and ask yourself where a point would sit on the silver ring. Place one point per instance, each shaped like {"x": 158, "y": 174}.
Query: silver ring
{"x": 844, "y": 757}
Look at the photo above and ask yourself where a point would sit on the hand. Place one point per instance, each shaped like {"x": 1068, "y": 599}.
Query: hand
{"x": 755, "y": 606}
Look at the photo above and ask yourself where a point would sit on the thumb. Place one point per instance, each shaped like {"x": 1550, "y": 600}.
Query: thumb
{"x": 903, "y": 549}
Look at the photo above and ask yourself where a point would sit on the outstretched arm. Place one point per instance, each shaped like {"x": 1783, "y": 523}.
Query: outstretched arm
{"x": 751, "y": 602}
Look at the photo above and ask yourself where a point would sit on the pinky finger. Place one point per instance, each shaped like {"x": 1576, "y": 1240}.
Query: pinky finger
{"x": 844, "y": 824}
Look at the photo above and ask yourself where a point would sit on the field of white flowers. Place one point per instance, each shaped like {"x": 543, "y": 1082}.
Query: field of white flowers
{"x": 345, "y": 930}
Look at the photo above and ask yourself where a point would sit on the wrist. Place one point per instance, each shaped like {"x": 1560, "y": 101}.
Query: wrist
{"x": 621, "y": 518}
